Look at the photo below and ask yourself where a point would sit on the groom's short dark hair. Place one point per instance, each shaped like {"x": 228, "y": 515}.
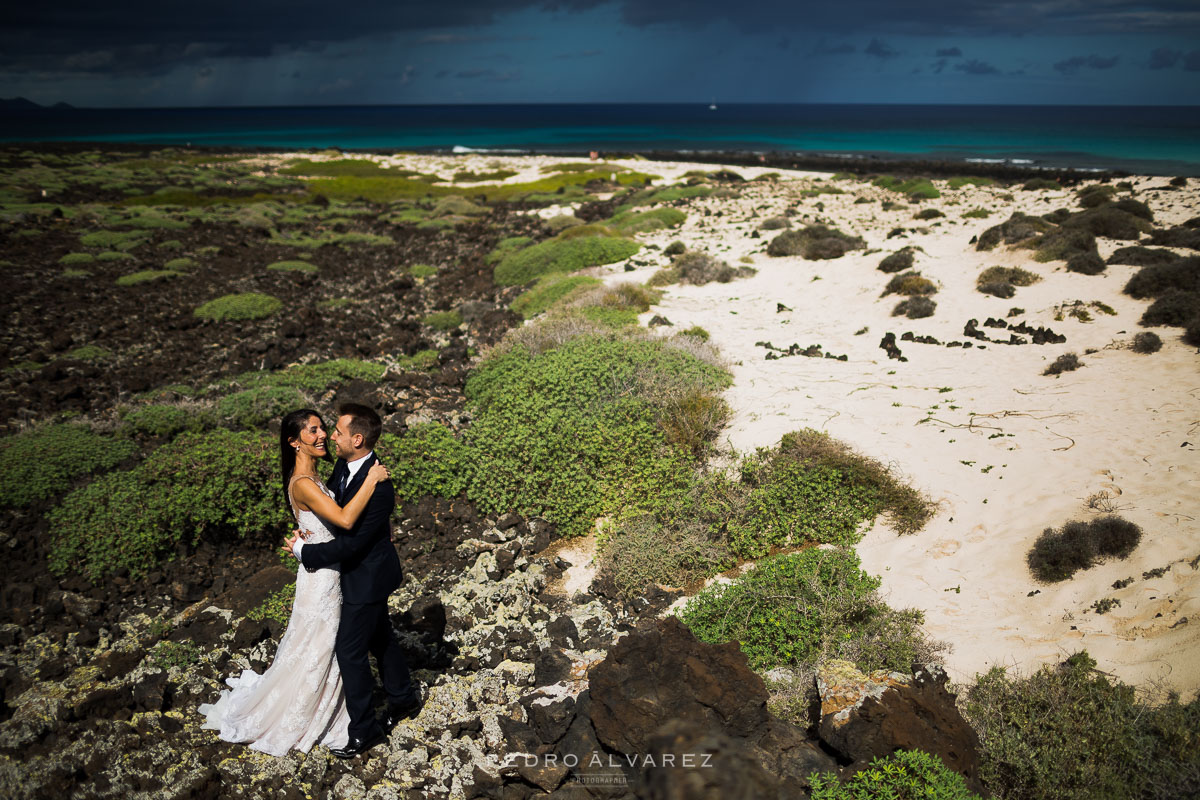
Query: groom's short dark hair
{"x": 363, "y": 421}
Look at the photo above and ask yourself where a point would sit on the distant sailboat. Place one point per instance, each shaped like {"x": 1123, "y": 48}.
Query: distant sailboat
{"x": 713, "y": 105}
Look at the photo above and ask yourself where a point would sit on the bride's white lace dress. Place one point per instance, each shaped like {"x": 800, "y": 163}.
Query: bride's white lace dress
{"x": 298, "y": 701}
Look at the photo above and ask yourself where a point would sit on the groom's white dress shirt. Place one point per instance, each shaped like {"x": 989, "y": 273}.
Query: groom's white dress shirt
{"x": 353, "y": 467}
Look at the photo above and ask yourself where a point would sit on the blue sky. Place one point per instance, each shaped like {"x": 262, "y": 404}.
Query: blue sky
{"x": 267, "y": 52}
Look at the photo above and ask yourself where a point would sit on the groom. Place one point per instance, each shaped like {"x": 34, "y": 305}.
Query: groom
{"x": 370, "y": 572}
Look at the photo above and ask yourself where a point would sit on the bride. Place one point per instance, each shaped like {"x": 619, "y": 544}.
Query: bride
{"x": 298, "y": 701}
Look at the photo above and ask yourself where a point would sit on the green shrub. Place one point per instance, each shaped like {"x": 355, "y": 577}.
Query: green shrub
{"x": 170, "y": 244}
{"x": 642, "y": 552}
{"x": 1013, "y": 275}
{"x": 427, "y": 460}
{"x": 168, "y": 654}
{"x": 1138, "y": 256}
{"x": 663, "y": 277}
{"x": 898, "y": 261}
{"x": 548, "y": 290}
{"x": 928, "y": 213}
{"x": 146, "y": 276}
{"x": 164, "y": 420}
{"x": 118, "y": 240}
{"x": 74, "y": 272}
{"x": 277, "y": 606}
{"x": 697, "y": 269}
{"x": 1038, "y": 184}
{"x": 803, "y": 608}
{"x": 90, "y": 352}
{"x": 1067, "y": 732}
{"x": 916, "y": 188}
{"x": 631, "y": 222}
{"x": 250, "y": 305}
{"x": 453, "y": 205}
{"x": 1014, "y": 230}
{"x": 422, "y": 270}
{"x": 506, "y": 247}
{"x": 1059, "y": 554}
{"x": 219, "y": 482}
{"x": 674, "y": 248}
{"x": 42, "y": 462}
{"x": 972, "y": 180}
{"x": 443, "y": 320}
{"x": 422, "y": 360}
{"x": 77, "y": 258}
{"x": 1182, "y": 274}
{"x": 775, "y": 223}
{"x": 910, "y": 284}
{"x": 904, "y": 775}
{"x": 1067, "y": 362}
{"x": 308, "y": 377}
{"x": 253, "y": 408}
{"x": 1095, "y": 195}
{"x": 293, "y": 266}
{"x": 113, "y": 255}
{"x": 1146, "y": 342}
{"x": 1109, "y": 221}
{"x": 558, "y": 255}
{"x": 977, "y": 213}
{"x": 573, "y": 432}
{"x": 1062, "y": 244}
{"x": 696, "y": 332}
{"x": 1088, "y": 263}
{"x": 814, "y": 242}
{"x": 915, "y": 308}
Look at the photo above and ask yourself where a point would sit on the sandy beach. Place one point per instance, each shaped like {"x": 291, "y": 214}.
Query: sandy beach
{"x": 1004, "y": 450}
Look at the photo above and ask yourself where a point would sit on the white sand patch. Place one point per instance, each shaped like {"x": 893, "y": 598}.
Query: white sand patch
{"x": 1004, "y": 450}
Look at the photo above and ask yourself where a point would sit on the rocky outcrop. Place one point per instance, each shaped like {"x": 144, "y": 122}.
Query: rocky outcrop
{"x": 865, "y": 716}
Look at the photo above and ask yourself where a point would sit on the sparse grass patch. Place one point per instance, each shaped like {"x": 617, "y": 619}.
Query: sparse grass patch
{"x": 277, "y": 606}
{"x": 179, "y": 264}
{"x": 1015, "y": 276}
{"x": 506, "y": 247}
{"x": 977, "y": 213}
{"x": 250, "y": 305}
{"x": 71, "y": 259}
{"x": 1067, "y": 362}
{"x": 422, "y": 270}
{"x": 90, "y": 352}
{"x": 113, "y": 255}
{"x": 628, "y": 223}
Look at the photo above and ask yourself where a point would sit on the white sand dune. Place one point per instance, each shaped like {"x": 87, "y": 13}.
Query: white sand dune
{"x": 1004, "y": 450}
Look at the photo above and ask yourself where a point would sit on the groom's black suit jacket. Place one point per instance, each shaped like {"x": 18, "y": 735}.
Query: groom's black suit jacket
{"x": 369, "y": 564}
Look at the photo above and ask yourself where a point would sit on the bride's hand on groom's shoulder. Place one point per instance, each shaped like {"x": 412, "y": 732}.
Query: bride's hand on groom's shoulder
{"x": 378, "y": 472}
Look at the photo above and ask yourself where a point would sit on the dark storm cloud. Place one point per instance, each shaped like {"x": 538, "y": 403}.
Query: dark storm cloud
{"x": 834, "y": 49}
{"x": 976, "y": 67}
{"x": 923, "y": 16}
{"x": 1164, "y": 58}
{"x": 1072, "y": 65}
{"x": 949, "y": 52}
{"x": 880, "y": 49}
{"x": 143, "y": 36}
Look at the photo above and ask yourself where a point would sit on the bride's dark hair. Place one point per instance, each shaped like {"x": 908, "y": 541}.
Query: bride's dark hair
{"x": 290, "y": 429}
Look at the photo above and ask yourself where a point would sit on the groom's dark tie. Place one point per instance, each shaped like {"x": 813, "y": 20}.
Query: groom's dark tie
{"x": 342, "y": 483}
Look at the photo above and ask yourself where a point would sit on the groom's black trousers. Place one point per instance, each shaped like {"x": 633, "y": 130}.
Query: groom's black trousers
{"x": 365, "y": 628}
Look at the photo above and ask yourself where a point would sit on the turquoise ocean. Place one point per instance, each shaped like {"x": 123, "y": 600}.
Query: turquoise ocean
{"x": 1141, "y": 139}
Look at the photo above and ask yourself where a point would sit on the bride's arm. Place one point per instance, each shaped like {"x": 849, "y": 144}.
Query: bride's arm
{"x": 307, "y": 493}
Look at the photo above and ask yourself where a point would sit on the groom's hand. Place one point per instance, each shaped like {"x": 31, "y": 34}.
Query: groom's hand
{"x": 289, "y": 543}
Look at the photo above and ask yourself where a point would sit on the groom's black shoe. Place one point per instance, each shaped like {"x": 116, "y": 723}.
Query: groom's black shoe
{"x": 357, "y": 746}
{"x": 398, "y": 712}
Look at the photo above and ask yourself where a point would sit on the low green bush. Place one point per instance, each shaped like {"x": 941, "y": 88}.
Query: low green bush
{"x": 915, "y": 308}
{"x": 253, "y": 408}
{"x": 146, "y": 276}
{"x": 40, "y": 463}
{"x": 1062, "y": 244}
{"x": 1038, "y": 184}
{"x": 801, "y": 609}
{"x": 293, "y": 266}
{"x": 1059, "y": 554}
{"x": 977, "y": 213}
{"x": 308, "y": 377}
{"x": 631, "y": 222}
{"x": 1014, "y": 275}
{"x": 548, "y": 290}
{"x": 422, "y": 270}
{"x": 250, "y": 305}
{"x": 1146, "y": 342}
{"x": 910, "y": 284}
{"x": 427, "y": 460}
{"x": 561, "y": 255}
{"x": 76, "y": 258}
{"x": 1068, "y": 732}
{"x": 898, "y": 261}
{"x": 969, "y": 180}
{"x": 904, "y": 775}
{"x": 420, "y": 361}
{"x": 1067, "y": 362}
{"x": 113, "y": 255}
{"x": 643, "y": 552}
{"x": 1181, "y": 274}
{"x": 165, "y": 420}
{"x": 90, "y": 352}
{"x": 928, "y": 213}
{"x": 115, "y": 240}
{"x": 1014, "y": 230}
{"x": 814, "y": 242}
{"x": 443, "y": 320}
{"x": 506, "y": 247}
{"x": 217, "y": 482}
{"x": 917, "y": 188}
